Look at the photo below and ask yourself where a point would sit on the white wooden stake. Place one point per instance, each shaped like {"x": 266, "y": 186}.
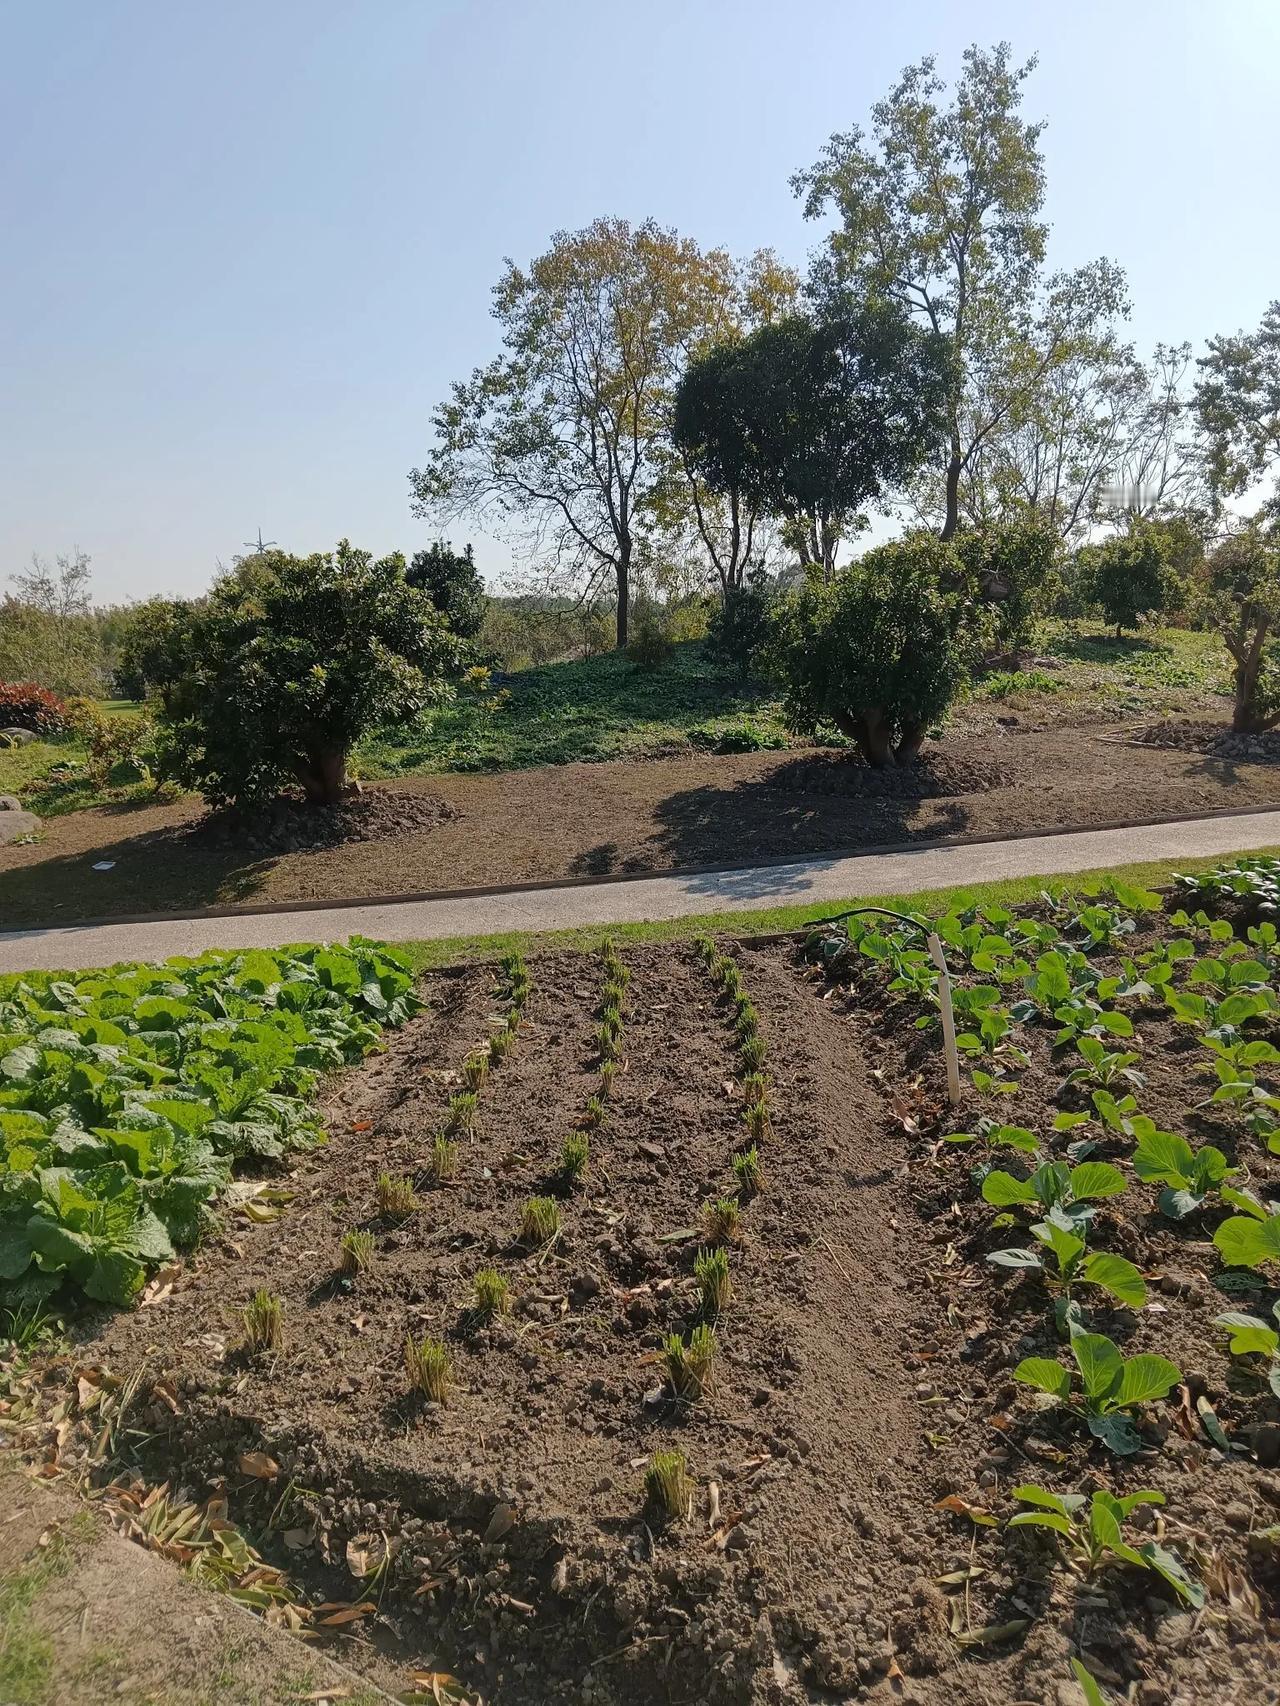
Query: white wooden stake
{"x": 939, "y": 959}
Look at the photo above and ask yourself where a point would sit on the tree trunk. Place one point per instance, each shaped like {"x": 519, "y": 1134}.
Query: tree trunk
{"x": 1244, "y": 716}
{"x": 954, "y": 465}
{"x": 323, "y": 774}
{"x": 908, "y": 748}
{"x": 624, "y": 598}
{"x": 871, "y": 733}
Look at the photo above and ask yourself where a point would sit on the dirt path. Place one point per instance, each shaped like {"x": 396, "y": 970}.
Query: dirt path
{"x": 591, "y": 820}
{"x": 87, "y": 1616}
{"x": 692, "y": 896}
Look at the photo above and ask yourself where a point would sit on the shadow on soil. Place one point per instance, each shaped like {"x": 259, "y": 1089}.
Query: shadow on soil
{"x": 155, "y": 871}
{"x": 706, "y": 825}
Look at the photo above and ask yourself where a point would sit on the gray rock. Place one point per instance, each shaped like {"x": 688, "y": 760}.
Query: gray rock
{"x": 10, "y": 803}
{"x": 16, "y": 737}
{"x": 15, "y": 825}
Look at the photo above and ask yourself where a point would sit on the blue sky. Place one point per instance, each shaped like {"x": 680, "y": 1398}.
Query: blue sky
{"x": 247, "y": 246}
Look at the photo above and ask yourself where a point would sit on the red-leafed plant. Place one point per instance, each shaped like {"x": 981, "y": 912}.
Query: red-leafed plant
{"x": 23, "y": 705}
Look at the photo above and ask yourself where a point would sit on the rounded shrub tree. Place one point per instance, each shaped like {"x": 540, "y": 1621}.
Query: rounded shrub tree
{"x": 1241, "y": 601}
{"x": 1011, "y": 564}
{"x": 1129, "y": 576}
{"x": 287, "y": 663}
{"x": 881, "y": 651}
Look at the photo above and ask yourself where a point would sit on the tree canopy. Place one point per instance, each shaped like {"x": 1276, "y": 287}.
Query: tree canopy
{"x": 812, "y": 419}
{"x": 881, "y": 651}
{"x": 561, "y": 434}
{"x": 1237, "y": 400}
{"x": 277, "y": 673}
{"x": 452, "y": 582}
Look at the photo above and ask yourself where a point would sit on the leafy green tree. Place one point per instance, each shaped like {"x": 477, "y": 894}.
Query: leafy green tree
{"x": 939, "y": 212}
{"x": 810, "y": 419}
{"x": 152, "y": 645}
{"x": 563, "y": 434}
{"x": 882, "y": 650}
{"x": 739, "y": 625}
{"x": 277, "y": 673}
{"x": 1241, "y": 600}
{"x": 1129, "y": 576}
{"x": 724, "y": 530}
{"x": 1237, "y": 401}
{"x": 452, "y": 582}
{"x": 1011, "y": 564}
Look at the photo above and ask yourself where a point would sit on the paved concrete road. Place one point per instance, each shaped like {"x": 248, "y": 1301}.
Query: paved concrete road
{"x": 815, "y": 880}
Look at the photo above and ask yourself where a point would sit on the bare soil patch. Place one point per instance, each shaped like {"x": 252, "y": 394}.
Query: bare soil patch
{"x": 596, "y": 819}
{"x": 863, "y": 1375}
{"x": 291, "y": 825}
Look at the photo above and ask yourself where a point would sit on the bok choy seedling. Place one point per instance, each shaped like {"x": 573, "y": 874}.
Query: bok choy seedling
{"x": 1112, "y": 1386}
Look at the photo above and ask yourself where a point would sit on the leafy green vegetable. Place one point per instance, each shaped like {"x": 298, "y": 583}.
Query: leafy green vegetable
{"x": 1162, "y": 1157}
{"x": 127, "y": 1096}
{"x": 1112, "y": 1386}
{"x": 1093, "y": 1530}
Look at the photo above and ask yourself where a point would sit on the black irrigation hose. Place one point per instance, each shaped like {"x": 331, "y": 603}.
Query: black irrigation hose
{"x": 886, "y": 911}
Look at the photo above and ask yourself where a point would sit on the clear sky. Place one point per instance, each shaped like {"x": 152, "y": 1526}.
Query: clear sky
{"x": 246, "y": 246}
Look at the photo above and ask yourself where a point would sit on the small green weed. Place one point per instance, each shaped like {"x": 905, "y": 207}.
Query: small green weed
{"x": 667, "y": 1484}
{"x": 711, "y": 1270}
{"x": 575, "y": 1153}
{"x": 722, "y": 1220}
{"x": 491, "y": 1292}
{"x": 748, "y": 1172}
{"x": 689, "y": 1365}
{"x": 263, "y": 1321}
{"x": 395, "y": 1197}
{"x": 443, "y": 1164}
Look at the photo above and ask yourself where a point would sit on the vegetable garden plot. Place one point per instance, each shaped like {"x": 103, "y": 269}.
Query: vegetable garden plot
{"x": 634, "y": 1486}
{"x": 702, "y": 1426}
{"x": 1104, "y": 1213}
{"x": 127, "y": 1096}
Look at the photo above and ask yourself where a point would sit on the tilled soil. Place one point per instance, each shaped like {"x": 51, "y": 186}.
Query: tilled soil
{"x": 863, "y": 1375}
{"x": 640, "y": 815}
{"x": 813, "y": 1573}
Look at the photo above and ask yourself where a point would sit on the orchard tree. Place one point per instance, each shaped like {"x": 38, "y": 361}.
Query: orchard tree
{"x": 810, "y": 420}
{"x": 561, "y": 436}
{"x": 1129, "y": 576}
{"x": 1237, "y": 400}
{"x": 1242, "y": 601}
{"x": 274, "y": 676}
{"x": 452, "y": 582}
{"x": 881, "y": 651}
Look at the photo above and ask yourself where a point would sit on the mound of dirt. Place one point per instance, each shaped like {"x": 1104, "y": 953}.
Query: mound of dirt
{"x": 934, "y": 776}
{"x": 1214, "y": 739}
{"x": 291, "y": 825}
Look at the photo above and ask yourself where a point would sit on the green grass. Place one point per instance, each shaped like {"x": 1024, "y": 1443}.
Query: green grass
{"x": 1011, "y": 891}
{"x": 1158, "y": 671}
{"x": 49, "y": 777}
{"x": 565, "y": 713}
